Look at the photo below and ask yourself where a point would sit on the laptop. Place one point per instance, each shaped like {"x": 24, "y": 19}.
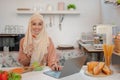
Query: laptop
{"x": 71, "y": 66}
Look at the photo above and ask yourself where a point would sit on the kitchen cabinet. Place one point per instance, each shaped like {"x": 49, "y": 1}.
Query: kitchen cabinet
{"x": 116, "y": 58}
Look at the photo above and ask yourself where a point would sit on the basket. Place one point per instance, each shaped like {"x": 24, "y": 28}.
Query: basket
{"x": 117, "y": 45}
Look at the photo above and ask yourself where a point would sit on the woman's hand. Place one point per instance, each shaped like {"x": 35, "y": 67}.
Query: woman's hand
{"x": 24, "y": 59}
{"x": 56, "y": 67}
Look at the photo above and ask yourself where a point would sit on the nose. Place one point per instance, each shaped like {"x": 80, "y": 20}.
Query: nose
{"x": 37, "y": 26}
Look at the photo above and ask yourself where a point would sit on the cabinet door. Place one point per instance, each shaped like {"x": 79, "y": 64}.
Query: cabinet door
{"x": 115, "y": 59}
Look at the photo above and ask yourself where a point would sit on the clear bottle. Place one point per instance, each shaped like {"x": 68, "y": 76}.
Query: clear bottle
{"x": 6, "y": 49}
{"x": 96, "y": 40}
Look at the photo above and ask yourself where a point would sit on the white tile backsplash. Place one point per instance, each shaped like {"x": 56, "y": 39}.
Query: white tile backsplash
{"x": 9, "y": 59}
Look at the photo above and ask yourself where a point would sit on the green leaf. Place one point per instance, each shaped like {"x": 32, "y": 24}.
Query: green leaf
{"x": 71, "y": 6}
{"x": 38, "y": 68}
{"x": 35, "y": 64}
{"x": 14, "y": 76}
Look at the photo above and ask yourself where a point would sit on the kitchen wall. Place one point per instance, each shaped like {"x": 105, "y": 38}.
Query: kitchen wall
{"x": 72, "y": 25}
{"x": 110, "y": 13}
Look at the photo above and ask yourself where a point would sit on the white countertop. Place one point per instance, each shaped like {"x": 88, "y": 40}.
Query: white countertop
{"x": 38, "y": 75}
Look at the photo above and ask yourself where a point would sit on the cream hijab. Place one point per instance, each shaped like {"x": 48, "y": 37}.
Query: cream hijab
{"x": 40, "y": 43}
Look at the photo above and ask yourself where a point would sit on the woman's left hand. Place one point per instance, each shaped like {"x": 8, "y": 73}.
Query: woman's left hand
{"x": 56, "y": 67}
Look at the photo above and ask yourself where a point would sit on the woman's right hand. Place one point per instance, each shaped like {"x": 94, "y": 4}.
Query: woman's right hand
{"x": 24, "y": 59}
{"x": 56, "y": 67}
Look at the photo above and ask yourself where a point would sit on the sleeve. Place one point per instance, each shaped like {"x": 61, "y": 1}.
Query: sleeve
{"x": 52, "y": 57}
{"x": 22, "y": 58}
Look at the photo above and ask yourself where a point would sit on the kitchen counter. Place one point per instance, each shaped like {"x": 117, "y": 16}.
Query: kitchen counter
{"x": 38, "y": 75}
{"x": 93, "y": 54}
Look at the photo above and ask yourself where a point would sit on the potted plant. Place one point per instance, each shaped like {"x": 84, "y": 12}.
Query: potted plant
{"x": 71, "y": 7}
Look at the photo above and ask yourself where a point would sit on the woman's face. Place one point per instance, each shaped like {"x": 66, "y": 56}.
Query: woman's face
{"x": 36, "y": 26}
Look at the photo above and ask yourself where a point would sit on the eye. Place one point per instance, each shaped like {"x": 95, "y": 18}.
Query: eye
{"x": 40, "y": 24}
{"x": 34, "y": 24}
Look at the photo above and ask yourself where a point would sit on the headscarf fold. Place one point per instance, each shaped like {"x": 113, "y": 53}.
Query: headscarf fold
{"x": 39, "y": 43}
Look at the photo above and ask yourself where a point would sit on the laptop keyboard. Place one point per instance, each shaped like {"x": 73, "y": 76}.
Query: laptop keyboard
{"x": 55, "y": 74}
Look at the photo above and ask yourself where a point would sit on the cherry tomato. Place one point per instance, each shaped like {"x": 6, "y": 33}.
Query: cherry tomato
{"x": 0, "y": 76}
{"x": 4, "y": 75}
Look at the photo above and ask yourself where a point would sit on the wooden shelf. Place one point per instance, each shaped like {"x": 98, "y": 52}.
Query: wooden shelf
{"x": 6, "y": 34}
{"x": 49, "y": 12}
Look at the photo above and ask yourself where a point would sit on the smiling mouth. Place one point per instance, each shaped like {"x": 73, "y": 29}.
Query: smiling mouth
{"x": 37, "y": 30}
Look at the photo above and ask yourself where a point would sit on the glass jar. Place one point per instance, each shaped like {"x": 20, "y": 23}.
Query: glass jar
{"x": 96, "y": 40}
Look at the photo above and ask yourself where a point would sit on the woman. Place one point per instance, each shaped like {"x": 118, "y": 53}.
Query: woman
{"x": 36, "y": 46}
